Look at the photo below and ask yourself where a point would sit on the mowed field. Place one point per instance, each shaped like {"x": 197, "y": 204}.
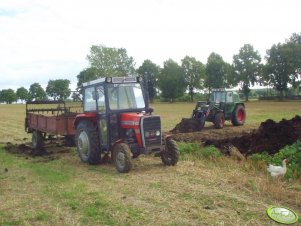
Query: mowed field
{"x": 197, "y": 191}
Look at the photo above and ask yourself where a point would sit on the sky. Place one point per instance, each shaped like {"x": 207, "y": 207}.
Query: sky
{"x": 50, "y": 39}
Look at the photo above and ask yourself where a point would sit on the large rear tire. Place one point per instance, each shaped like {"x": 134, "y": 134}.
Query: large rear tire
{"x": 219, "y": 120}
{"x": 122, "y": 157}
{"x": 37, "y": 140}
{"x": 239, "y": 115}
{"x": 200, "y": 118}
{"x": 170, "y": 155}
{"x": 87, "y": 142}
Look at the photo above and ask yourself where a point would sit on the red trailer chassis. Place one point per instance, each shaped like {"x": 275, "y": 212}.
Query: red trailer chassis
{"x": 50, "y": 118}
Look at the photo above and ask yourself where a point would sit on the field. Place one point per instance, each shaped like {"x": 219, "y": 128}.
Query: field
{"x": 60, "y": 190}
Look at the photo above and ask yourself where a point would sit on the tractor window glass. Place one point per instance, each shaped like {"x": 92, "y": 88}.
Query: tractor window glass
{"x": 219, "y": 97}
{"x": 90, "y": 99}
{"x": 125, "y": 96}
{"x": 230, "y": 97}
{"x": 101, "y": 99}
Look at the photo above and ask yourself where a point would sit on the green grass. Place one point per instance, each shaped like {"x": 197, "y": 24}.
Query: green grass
{"x": 202, "y": 189}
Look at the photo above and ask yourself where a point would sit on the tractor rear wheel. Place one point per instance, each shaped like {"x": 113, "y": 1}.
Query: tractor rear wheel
{"x": 170, "y": 155}
{"x": 87, "y": 142}
{"x": 122, "y": 157}
{"x": 37, "y": 140}
{"x": 219, "y": 120}
{"x": 239, "y": 115}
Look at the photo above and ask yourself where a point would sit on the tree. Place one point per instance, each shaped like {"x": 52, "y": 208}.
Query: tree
{"x": 171, "y": 80}
{"x": 8, "y": 96}
{"x": 294, "y": 43}
{"x": 150, "y": 71}
{"x": 215, "y": 72}
{"x": 278, "y": 68}
{"x": 111, "y": 61}
{"x": 194, "y": 73}
{"x": 22, "y": 94}
{"x": 36, "y": 92}
{"x": 247, "y": 67}
{"x": 86, "y": 75}
{"x": 58, "y": 89}
{"x": 231, "y": 77}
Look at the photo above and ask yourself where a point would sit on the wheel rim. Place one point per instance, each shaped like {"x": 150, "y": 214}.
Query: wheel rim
{"x": 34, "y": 139}
{"x": 240, "y": 115}
{"x": 120, "y": 159}
{"x": 222, "y": 122}
{"x": 83, "y": 143}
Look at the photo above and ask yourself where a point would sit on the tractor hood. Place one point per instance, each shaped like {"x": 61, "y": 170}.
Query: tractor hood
{"x": 130, "y": 119}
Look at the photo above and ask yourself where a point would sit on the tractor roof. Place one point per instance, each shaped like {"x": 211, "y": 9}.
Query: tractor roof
{"x": 115, "y": 80}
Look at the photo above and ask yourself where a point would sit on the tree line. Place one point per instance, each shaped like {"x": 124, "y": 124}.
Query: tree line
{"x": 281, "y": 70}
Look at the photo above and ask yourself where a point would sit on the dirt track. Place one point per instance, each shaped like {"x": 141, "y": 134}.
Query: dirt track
{"x": 270, "y": 136}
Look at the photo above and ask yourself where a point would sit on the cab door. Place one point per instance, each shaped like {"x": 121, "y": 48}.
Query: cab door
{"x": 102, "y": 117}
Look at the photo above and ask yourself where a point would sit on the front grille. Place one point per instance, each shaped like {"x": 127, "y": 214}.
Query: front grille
{"x": 150, "y": 125}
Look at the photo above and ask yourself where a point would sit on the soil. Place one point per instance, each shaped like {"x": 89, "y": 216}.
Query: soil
{"x": 269, "y": 137}
{"x": 248, "y": 139}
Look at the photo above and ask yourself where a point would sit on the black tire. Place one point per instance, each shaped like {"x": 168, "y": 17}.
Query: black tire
{"x": 219, "y": 120}
{"x": 70, "y": 141}
{"x": 239, "y": 115}
{"x": 122, "y": 157}
{"x": 37, "y": 140}
{"x": 87, "y": 142}
{"x": 197, "y": 116}
{"x": 170, "y": 155}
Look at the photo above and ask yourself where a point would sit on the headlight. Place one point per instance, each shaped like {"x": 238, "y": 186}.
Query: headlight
{"x": 146, "y": 134}
{"x": 158, "y": 133}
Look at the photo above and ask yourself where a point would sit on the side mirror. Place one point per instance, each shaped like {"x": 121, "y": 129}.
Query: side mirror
{"x": 150, "y": 110}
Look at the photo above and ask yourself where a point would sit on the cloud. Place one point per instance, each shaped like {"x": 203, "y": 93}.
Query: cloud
{"x": 42, "y": 40}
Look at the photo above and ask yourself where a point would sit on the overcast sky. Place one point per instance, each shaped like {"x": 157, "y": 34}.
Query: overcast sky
{"x": 50, "y": 39}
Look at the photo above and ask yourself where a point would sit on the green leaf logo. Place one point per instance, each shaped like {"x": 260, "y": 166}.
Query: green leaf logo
{"x": 282, "y": 215}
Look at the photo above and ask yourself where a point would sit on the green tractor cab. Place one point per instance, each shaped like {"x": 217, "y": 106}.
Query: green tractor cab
{"x": 222, "y": 105}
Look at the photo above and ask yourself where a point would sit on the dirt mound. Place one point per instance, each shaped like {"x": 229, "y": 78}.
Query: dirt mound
{"x": 270, "y": 137}
{"x": 187, "y": 125}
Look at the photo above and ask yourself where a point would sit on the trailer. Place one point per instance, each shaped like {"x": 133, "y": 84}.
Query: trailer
{"x": 48, "y": 119}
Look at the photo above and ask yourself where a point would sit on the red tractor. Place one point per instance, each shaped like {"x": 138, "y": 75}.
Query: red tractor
{"x": 117, "y": 119}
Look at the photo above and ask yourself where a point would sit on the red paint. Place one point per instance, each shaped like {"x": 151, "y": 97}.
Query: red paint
{"x": 132, "y": 121}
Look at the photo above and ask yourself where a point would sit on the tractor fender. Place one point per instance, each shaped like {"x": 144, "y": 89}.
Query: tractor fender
{"x": 85, "y": 116}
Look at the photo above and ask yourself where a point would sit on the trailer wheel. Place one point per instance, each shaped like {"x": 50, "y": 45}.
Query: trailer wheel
{"x": 87, "y": 142}
{"x": 170, "y": 155}
{"x": 239, "y": 115}
{"x": 219, "y": 120}
{"x": 122, "y": 156}
{"x": 37, "y": 140}
{"x": 70, "y": 140}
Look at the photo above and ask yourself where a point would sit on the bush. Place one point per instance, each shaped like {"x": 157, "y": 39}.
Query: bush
{"x": 196, "y": 151}
{"x": 290, "y": 152}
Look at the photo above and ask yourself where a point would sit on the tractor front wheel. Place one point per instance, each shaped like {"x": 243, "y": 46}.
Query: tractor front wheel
{"x": 87, "y": 142}
{"x": 170, "y": 155}
{"x": 239, "y": 115}
{"x": 219, "y": 120}
{"x": 122, "y": 157}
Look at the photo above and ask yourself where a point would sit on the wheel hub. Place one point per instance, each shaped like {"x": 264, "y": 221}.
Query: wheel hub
{"x": 83, "y": 143}
{"x": 120, "y": 158}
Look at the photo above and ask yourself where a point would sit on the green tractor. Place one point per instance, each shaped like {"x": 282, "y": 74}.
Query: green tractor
{"x": 222, "y": 105}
